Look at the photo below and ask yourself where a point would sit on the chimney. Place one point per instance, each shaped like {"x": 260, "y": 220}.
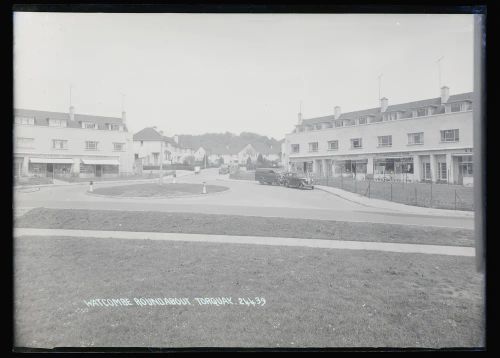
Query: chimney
{"x": 337, "y": 112}
{"x": 72, "y": 113}
{"x": 445, "y": 94}
{"x": 300, "y": 118}
{"x": 124, "y": 117}
{"x": 384, "y": 103}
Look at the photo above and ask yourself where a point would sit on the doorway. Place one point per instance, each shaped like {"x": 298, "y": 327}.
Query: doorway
{"x": 50, "y": 170}
{"x": 98, "y": 170}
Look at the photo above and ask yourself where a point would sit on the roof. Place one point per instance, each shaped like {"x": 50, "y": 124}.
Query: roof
{"x": 403, "y": 107}
{"x": 149, "y": 134}
{"x": 41, "y": 118}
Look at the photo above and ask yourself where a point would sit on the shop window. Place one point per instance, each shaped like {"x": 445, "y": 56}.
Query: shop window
{"x": 24, "y": 121}
{"x": 456, "y": 107}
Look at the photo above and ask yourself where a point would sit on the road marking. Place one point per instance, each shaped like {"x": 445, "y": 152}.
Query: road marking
{"x": 254, "y": 240}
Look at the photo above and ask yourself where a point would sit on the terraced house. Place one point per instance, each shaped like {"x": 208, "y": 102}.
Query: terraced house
{"x": 427, "y": 140}
{"x": 59, "y": 144}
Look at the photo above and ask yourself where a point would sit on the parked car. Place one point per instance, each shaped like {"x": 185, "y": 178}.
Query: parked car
{"x": 224, "y": 169}
{"x": 296, "y": 180}
{"x": 267, "y": 176}
{"x": 197, "y": 170}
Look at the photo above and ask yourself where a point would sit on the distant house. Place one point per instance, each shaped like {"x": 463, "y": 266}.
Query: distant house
{"x": 148, "y": 144}
{"x": 199, "y": 154}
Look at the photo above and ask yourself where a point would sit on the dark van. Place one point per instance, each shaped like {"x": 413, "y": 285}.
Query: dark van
{"x": 267, "y": 176}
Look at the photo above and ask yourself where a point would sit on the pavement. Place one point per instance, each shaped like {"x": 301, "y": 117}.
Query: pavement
{"x": 252, "y": 240}
{"x": 244, "y": 198}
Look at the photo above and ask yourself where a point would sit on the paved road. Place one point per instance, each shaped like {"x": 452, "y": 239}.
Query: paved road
{"x": 242, "y": 198}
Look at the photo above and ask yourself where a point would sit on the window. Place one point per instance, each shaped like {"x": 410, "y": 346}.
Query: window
{"x": 415, "y": 138}
{"x": 356, "y": 143}
{"x": 114, "y": 127}
{"x": 385, "y": 141}
{"x": 295, "y": 148}
{"x": 59, "y": 144}
{"x": 333, "y": 145}
{"x": 25, "y": 121}
{"x": 349, "y": 122}
{"x": 88, "y": 125}
{"x": 338, "y": 123}
{"x": 449, "y": 135}
{"x": 456, "y": 107}
{"x": 90, "y": 145}
{"x": 313, "y": 147}
{"x": 24, "y": 142}
{"x": 468, "y": 106}
{"x": 442, "y": 171}
{"x": 362, "y": 120}
{"x": 421, "y": 112}
{"x": 391, "y": 116}
{"x": 57, "y": 122}
{"x": 317, "y": 126}
{"x": 465, "y": 166}
{"x": 118, "y": 147}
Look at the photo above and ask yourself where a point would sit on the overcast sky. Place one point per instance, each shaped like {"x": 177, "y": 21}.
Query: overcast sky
{"x": 197, "y": 73}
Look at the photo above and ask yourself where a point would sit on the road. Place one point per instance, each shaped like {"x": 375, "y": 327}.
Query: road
{"x": 242, "y": 198}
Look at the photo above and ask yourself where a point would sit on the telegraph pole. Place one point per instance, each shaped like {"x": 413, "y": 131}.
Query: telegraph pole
{"x": 161, "y": 161}
{"x": 439, "y": 70}
{"x": 379, "y": 85}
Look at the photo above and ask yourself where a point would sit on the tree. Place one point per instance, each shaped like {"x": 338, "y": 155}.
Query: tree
{"x": 189, "y": 160}
{"x": 260, "y": 159}
{"x": 249, "y": 163}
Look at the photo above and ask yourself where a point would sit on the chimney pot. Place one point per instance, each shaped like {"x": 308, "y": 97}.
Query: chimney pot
{"x": 384, "y": 103}
{"x": 72, "y": 113}
{"x": 445, "y": 94}
{"x": 337, "y": 112}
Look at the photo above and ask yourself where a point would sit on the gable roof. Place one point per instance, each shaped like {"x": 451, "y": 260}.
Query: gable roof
{"x": 148, "y": 134}
{"x": 403, "y": 107}
{"x": 42, "y": 118}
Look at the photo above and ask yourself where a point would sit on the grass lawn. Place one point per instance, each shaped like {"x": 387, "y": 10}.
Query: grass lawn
{"x": 157, "y": 190}
{"x": 243, "y": 175}
{"x": 32, "y": 181}
{"x": 241, "y": 225}
{"x": 440, "y": 196}
{"x": 145, "y": 175}
{"x": 314, "y": 297}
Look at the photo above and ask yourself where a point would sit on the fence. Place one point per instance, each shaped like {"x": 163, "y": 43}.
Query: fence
{"x": 441, "y": 196}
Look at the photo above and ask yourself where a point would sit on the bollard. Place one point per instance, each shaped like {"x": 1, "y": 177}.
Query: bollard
{"x": 91, "y": 184}
{"x": 204, "y": 188}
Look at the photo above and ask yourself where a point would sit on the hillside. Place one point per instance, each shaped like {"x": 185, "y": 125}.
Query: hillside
{"x": 230, "y": 143}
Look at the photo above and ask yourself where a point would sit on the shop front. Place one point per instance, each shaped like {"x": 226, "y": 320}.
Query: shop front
{"x": 106, "y": 168}
{"x": 50, "y": 167}
{"x": 356, "y": 169}
{"x": 398, "y": 169}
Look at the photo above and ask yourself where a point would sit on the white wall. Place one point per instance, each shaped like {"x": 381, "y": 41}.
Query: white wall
{"x": 399, "y": 129}
{"x": 76, "y": 137}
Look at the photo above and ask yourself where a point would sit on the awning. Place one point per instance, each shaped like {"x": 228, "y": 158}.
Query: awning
{"x": 51, "y": 160}
{"x": 101, "y": 161}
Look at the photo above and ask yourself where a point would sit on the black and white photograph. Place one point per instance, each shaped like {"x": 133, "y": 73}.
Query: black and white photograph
{"x": 247, "y": 180}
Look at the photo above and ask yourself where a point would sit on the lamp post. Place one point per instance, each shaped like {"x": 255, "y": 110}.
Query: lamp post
{"x": 161, "y": 162}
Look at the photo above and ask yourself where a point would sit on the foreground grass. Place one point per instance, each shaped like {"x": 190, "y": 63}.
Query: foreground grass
{"x": 157, "y": 190}
{"x": 315, "y": 298}
{"x": 144, "y": 221}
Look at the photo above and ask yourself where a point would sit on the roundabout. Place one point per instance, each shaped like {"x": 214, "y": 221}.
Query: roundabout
{"x": 155, "y": 190}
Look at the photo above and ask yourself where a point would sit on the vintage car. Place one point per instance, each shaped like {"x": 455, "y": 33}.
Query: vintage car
{"x": 296, "y": 180}
{"x": 224, "y": 169}
{"x": 267, "y": 176}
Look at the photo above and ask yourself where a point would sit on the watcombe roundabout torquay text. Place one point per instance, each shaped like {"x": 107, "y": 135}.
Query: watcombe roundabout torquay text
{"x": 201, "y": 301}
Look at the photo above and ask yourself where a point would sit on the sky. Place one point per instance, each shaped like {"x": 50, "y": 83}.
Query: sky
{"x": 199, "y": 73}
